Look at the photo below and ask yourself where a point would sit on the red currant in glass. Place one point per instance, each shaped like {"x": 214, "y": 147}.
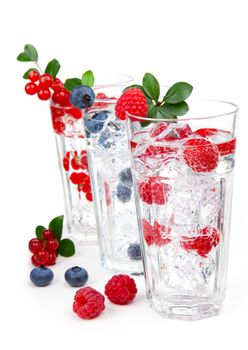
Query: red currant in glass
{"x": 34, "y": 245}
{"x": 52, "y": 244}
{"x": 31, "y": 88}
{"x": 46, "y": 81}
{"x": 44, "y": 94}
{"x": 40, "y": 258}
{"x": 47, "y": 234}
{"x": 62, "y": 97}
{"x": 33, "y": 76}
{"x": 57, "y": 84}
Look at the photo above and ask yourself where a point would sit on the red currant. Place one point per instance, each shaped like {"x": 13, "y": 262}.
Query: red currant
{"x": 40, "y": 258}
{"x": 46, "y": 81}
{"x": 31, "y": 89}
{"x": 52, "y": 245}
{"x": 57, "y": 84}
{"x": 62, "y": 97}
{"x": 59, "y": 127}
{"x": 75, "y": 113}
{"x": 51, "y": 259}
{"x": 44, "y": 94}
{"x": 89, "y": 196}
{"x": 66, "y": 161}
{"x": 33, "y": 76}
{"x": 47, "y": 234}
{"x": 34, "y": 245}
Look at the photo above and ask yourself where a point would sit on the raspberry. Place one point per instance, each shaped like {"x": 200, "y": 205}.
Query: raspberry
{"x": 66, "y": 161}
{"x": 153, "y": 192}
{"x": 153, "y": 233}
{"x": 121, "y": 289}
{"x": 88, "y": 303}
{"x": 201, "y": 155}
{"x": 33, "y": 76}
{"x": 226, "y": 148}
{"x": 202, "y": 244}
{"x": 31, "y": 88}
{"x": 132, "y": 101}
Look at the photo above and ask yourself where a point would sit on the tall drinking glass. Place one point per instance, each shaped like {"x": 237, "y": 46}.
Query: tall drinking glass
{"x": 183, "y": 175}
{"x": 112, "y": 185}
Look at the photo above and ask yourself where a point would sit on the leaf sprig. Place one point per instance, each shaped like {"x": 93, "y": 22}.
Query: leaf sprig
{"x": 66, "y": 246}
{"x": 87, "y": 79}
{"x": 173, "y": 103}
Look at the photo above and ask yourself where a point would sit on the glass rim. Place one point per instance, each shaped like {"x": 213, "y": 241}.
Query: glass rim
{"x": 128, "y": 79}
{"x": 233, "y": 110}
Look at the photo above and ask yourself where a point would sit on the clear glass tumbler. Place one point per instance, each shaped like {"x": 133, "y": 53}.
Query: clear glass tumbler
{"x": 71, "y": 147}
{"x": 183, "y": 175}
{"x": 112, "y": 185}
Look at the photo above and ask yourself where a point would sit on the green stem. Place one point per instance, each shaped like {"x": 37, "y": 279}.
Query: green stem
{"x": 38, "y": 66}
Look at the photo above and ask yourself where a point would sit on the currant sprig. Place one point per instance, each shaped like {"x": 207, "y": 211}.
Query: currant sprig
{"x": 171, "y": 105}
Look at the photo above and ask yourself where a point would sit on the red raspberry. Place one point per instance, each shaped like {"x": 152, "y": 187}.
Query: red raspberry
{"x": 153, "y": 234}
{"x": 121, "y": 289}
{"x": 66, "y": 161}
{"x": 88, "y": 303}
{"x": 46, "y": 81}
{"x": 31, "y": 88}
{"x": 78, "y": 178}
{"x": 35, "y": 245}
{"x": 44, "y": 94}
{"x": 226, "y": 148}
{"x": 206, "y": 132}
{"x": 201, "y": 155}
{"x": 132, "y": 101}
{"x": 153, "y": 192}
{"x": 33, "y": 76}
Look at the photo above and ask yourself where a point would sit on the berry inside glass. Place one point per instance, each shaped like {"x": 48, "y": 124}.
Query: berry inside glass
{"x": 183, "y": 174}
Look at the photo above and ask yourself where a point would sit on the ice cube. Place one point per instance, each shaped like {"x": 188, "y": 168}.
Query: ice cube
{"x": 174, "y": 131}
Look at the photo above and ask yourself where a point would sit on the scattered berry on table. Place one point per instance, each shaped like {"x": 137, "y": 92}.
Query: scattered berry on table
{"x": 96, "y": 122}
{"x": 41, "y": 276}
{"x": 201, "y": 155}
{"x": 88, "y": 303}
{"x": 123, "y": 193}
{"x": 121, "y": 289}
{"x": 126, "y": 177}
{"x": 134, "y": 251}
{"x": 76, "y": 276}
{"x": 82, "y": 96}
{"x": 132, "y": 101}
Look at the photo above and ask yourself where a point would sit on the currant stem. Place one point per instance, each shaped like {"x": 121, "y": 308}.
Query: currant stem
{"x": 38, "y": 66}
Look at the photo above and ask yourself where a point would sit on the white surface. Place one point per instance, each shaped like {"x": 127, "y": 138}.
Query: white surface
{"x": 202, "y": 42}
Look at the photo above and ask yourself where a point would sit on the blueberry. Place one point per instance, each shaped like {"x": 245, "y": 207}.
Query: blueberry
{"x": 41, "y": 276}
{"x": 126, "y": 177}
{"x": 123, "y": 193}
{"x": 103, "y": 140}
{"x": 76, "y": 276}
{"x": 134, "y": 251}
{"x": 96, "y": 123}
{"x": 82, "y": 96}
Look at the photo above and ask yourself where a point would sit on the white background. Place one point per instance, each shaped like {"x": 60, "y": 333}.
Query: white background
{"x": 202, "y": 42}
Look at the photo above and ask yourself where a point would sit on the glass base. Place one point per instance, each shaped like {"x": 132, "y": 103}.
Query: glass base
{"x": 189, "y": 309}
{"x": 85, "y": 236}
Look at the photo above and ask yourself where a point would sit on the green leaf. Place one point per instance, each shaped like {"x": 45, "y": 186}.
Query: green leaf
{"x": 38, "y": 231}
{"x": 88, "y": 78}
{"x": 56, "y": 225}
{"x": 25, "y": 75}
{"x": 66, "y": 247}
{"x": 151, "y": 86}
{"x": 72, "y": 83}
{"x": 178, "y": 92}
{"x": 53, "y": 68}
{"x": 177, "y": 109}
{"x": 31, "y": 52}
{"x": 134, "y": 86}
{"x": 22, "y": 57}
